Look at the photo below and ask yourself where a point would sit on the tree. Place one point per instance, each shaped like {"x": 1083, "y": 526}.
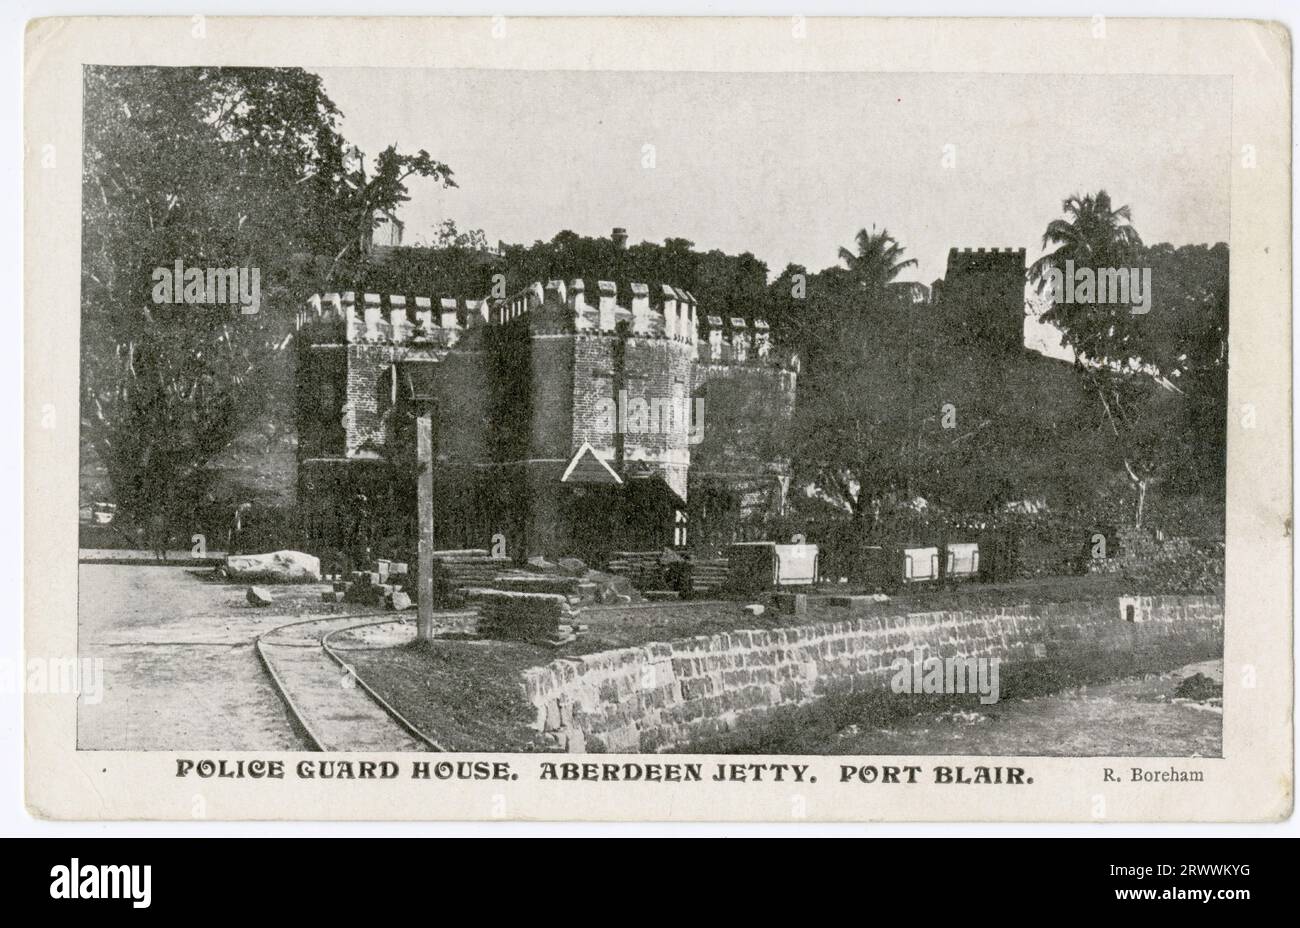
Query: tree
{"x": 853, "y": 440}
{"x": 216, "y": 168}
{"x": 888, "y": 412}
{"x": 895, "y": 404}
{"x": 877, "y": 261}
{"x": 1159, "y": 377}
{"x": 356, "y": 199}
{"x": 448, "y": 236}
{"x": 1185, "y": 339}
{"x": 856, "y": 429}
{"x": 787, "y": 305}
{"x": 1093, "y": 235}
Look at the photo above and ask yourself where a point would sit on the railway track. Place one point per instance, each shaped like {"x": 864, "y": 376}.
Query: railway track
{"x": 336, "y": 709}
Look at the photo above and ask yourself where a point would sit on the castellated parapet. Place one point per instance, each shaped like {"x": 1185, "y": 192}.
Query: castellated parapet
{"x": 528, "y": 383}
{"x": 982, "y": 296}
{"x": 398, "y": 319}
{"x": 338, "y": 318}
{"x": 661, "y": 312}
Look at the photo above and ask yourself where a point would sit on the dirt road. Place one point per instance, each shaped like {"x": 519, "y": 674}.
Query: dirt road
{"x": 180, "y": 671}
{"x": 1132, "y": 717}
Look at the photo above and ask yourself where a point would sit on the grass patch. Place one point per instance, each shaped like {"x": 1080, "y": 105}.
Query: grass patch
{"x": 466, "y": 695}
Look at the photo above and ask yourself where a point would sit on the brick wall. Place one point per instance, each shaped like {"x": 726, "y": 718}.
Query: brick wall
{"x": 463, "y": 413}
{"x": 552, "y": 385}
{"x": 463, "y": 408}
{"x": 658, "y": 377}
{"x": 747, "y": 413}
{"x": 664, "y": 696}
{"x": 533, "y": 388}
{"x": 593, "y": 391}
{"x": 321, "y": 393}
{"x": 742, "y": 447}
{"x": 368, "y": 401}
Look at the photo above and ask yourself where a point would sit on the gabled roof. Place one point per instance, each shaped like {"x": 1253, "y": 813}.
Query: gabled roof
{"x": 655, "y": 483}
{"x": 588, "y": 467}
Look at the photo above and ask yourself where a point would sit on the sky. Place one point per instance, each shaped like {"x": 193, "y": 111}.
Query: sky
{"x": 789, "y": 166}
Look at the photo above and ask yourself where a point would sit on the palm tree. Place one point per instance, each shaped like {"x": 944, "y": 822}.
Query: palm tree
{"x": 877, "y": 260}
{"x": 1094, "y": 235}
{"x": 872, "y": 268}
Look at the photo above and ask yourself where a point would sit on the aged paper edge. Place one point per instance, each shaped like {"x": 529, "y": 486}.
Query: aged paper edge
{"x": 1252, "y": 782}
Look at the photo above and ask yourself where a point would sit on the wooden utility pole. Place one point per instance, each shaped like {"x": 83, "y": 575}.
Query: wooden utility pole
{"x": 424, "y": 492}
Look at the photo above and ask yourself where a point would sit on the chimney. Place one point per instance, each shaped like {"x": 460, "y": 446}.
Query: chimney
{"x": 619, "y": 236}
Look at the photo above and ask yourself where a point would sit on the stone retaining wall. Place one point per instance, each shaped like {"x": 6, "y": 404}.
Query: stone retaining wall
{"x": 1172, "y": 565}
{"x": 664, "y": 696}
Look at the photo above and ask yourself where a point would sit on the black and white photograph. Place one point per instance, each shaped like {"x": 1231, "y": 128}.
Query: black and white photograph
{"x": 660, "y": 420}
{"x": 642, "y": 412}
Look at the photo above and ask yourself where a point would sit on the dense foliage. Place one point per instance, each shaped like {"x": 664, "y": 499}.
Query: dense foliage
{"x": 214, "y": 168}
{"x": 899, "y": 423}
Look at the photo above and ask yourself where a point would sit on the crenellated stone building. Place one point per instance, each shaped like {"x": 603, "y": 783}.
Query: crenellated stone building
{"x": 576, "y": 417}
{"x": 570, "y": 418}
{"x": 981, "y": 298}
